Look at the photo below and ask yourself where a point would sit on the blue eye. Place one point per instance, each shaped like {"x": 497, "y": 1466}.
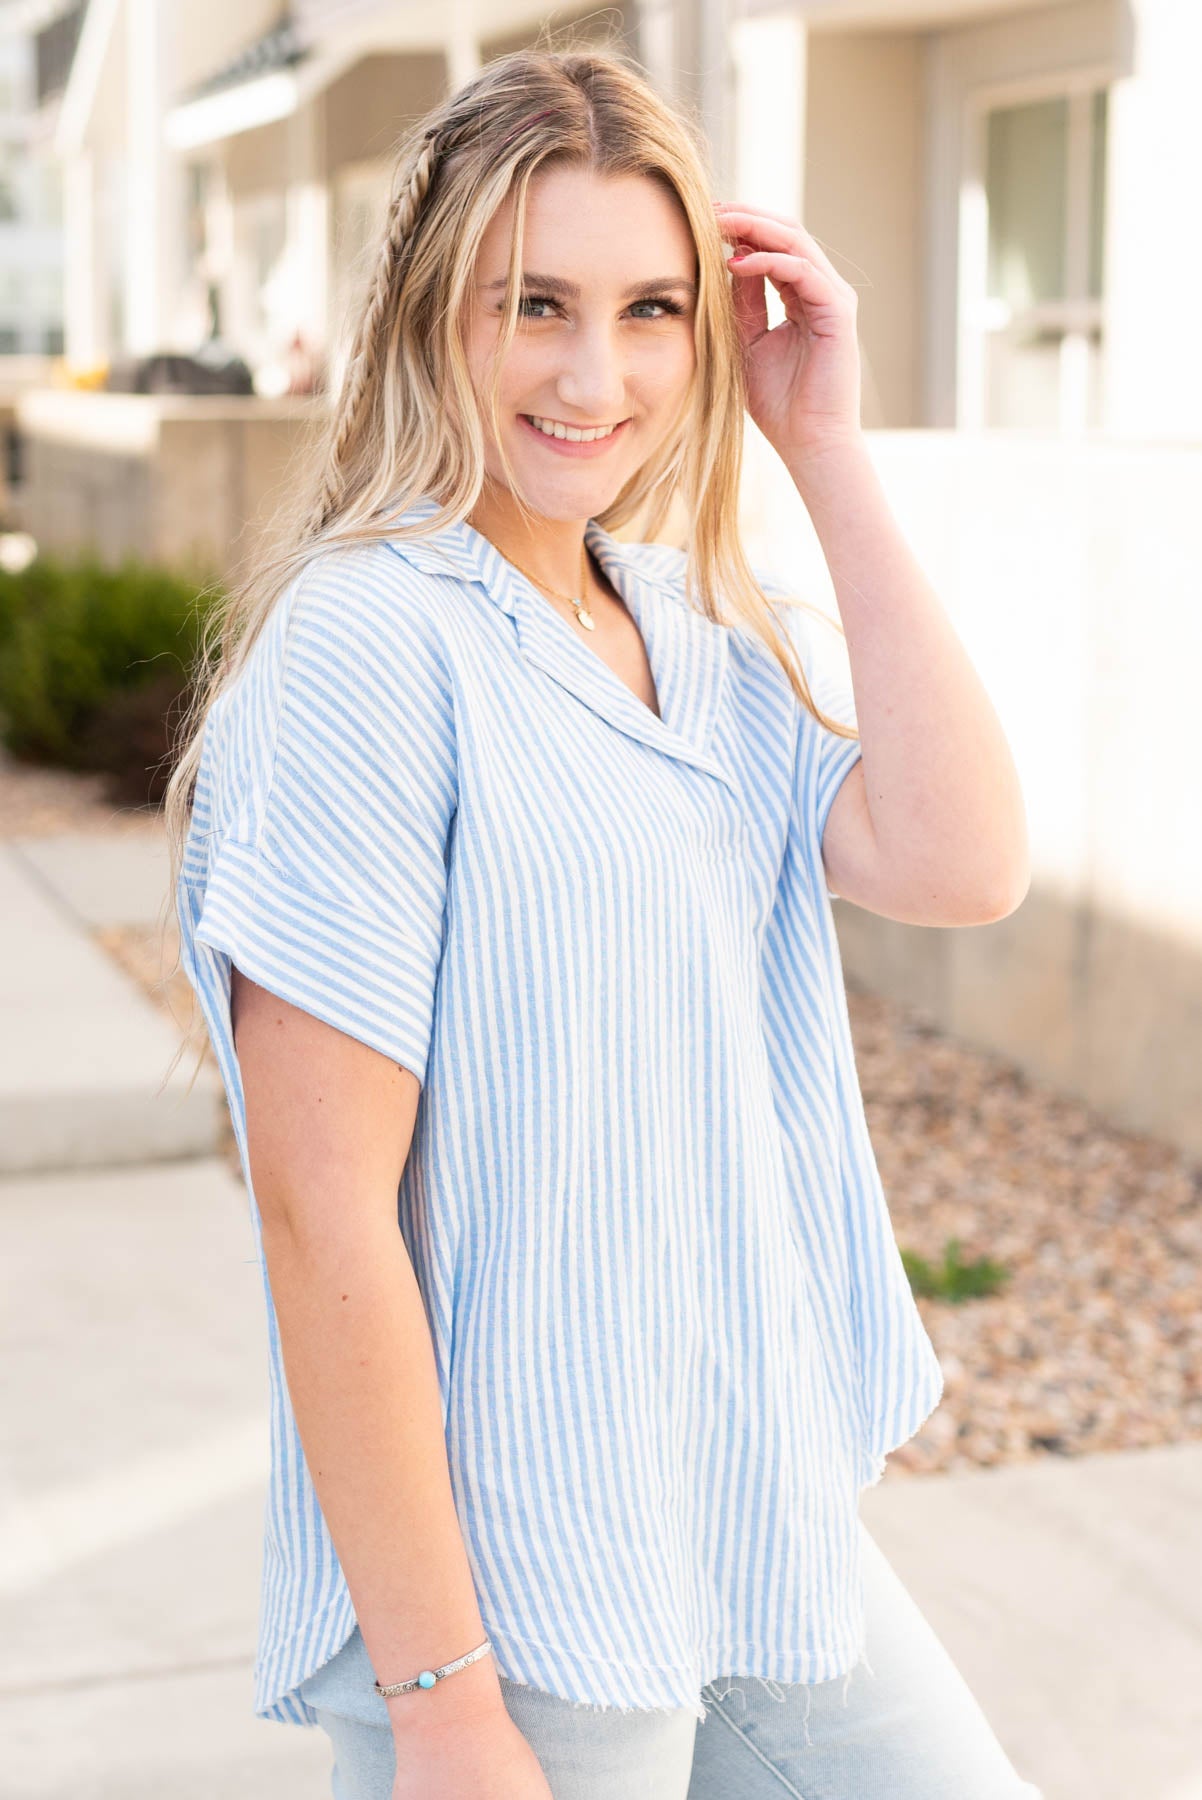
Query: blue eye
{"x": 665, "y": 305}
{"x": 663, "y": 301}
{"x": 532, "y": 300}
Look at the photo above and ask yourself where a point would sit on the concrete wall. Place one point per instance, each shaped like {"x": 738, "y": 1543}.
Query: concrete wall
{"x": 181, "y": 480}
{"x": 1070, "y": 573}
{"x": 1154, "y": 373}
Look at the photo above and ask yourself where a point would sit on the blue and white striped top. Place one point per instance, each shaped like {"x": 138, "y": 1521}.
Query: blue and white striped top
{"x": 673, "y": 1331}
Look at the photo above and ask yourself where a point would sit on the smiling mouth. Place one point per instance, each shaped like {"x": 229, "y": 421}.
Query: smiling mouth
{"x": 574, "y": 434}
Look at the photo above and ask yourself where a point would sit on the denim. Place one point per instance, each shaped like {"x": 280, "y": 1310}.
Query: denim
{"x": 902, "y": 1725}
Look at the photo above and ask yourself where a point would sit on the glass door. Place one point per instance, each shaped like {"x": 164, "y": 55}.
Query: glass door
{"x": 1032, "y": 299}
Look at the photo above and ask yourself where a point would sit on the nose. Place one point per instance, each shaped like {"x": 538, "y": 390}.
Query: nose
{"x": 592, "y": 382}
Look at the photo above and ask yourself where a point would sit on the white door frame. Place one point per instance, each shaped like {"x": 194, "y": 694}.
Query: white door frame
{"x": 972, "y": 310}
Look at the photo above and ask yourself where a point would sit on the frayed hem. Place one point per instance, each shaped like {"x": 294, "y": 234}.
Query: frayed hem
{"x": 768, "y": 1685}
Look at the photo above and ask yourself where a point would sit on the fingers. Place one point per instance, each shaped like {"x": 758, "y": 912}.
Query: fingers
{"x": 774, "y": 231}
{"x": 794, "y": 276}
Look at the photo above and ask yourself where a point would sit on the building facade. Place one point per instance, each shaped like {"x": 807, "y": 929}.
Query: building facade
{"x": 1006, "y": 183}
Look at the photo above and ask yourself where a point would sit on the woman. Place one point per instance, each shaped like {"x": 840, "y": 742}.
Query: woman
{"x": 506, "y": 898}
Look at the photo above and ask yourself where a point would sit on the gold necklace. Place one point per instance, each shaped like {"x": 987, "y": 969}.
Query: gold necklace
{"x": 583, "y": 615}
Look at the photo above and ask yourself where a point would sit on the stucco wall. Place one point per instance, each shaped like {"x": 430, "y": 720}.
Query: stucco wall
{"x": 1070, "y": 573}
{"x": 864, "y": 201}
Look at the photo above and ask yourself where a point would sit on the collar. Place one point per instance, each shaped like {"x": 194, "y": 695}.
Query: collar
{"x": 687, "y": 652}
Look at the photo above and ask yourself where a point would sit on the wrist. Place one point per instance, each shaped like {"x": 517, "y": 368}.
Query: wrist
{"x": 827, "y": 459}
{"x": 470, "y": 1696}
{"x": 832, "y": 468}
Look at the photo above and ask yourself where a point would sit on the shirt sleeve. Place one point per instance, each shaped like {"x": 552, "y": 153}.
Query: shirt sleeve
{"x": 824, "y": 758}
{"x": 326, "y": 883}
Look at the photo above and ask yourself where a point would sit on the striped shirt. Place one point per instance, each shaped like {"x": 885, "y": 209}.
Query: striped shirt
{"x": 673, "y": 1332}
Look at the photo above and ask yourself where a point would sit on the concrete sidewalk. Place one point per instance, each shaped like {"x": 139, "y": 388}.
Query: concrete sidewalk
{"x": 1069, "y": 1593}
{"x": 83, "y": 1052}
{"x": 134, "y": 1441}
{"x": 134, "y": 1445}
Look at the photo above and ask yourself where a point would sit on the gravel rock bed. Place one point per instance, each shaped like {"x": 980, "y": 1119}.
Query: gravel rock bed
{"x": 1093, "y": 1343}
{"x": 35, "y": 802}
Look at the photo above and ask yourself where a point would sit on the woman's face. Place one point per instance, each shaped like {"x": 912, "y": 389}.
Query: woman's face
{"x": 604, "y": 334}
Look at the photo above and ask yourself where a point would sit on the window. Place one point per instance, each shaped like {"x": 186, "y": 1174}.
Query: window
{"x": 1032, "y": 320}
{"x": 258, "y": 269}
{"x": 197, "y": 186}
{"x": 10, "y": 209}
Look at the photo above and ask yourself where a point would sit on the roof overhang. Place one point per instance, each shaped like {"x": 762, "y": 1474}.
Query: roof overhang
{"x": 260, "y": 101}
{"x": 23, "y": 18}
{"x": 375, "y": 27}
{"x": 371, "y": 29}
{"x": 897, "y": 15}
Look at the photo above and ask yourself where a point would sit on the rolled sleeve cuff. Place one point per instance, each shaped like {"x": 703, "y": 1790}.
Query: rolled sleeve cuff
{"x": 363, "y": 976}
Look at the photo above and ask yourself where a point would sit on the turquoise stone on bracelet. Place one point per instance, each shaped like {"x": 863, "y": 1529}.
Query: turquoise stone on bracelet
{"x": 427, "y": 1678}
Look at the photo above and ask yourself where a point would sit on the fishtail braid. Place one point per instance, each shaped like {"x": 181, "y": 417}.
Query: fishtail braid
{"x": 404, "y": 209}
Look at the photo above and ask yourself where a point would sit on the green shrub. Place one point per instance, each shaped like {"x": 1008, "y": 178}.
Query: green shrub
{"x": 953, "y": 1280}
{"x": 94, "y": 665}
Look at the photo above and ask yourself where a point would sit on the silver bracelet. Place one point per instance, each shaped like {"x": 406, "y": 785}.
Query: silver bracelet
{"x": 428, "y": 1677}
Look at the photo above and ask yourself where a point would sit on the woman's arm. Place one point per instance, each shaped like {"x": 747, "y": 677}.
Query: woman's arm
{"x": 329, "y": 1125}
{"x": 929, "y": 826}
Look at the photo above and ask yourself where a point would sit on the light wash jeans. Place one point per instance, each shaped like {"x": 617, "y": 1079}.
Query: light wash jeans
{"x": 903, "y": 1725}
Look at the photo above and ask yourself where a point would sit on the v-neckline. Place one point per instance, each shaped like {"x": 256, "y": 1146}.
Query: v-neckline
{"x": 578, "y": 629}
{"x": 687, "y": 652}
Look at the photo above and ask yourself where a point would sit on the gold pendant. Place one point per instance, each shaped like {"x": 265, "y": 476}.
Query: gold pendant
{"x": 586, "y": 618}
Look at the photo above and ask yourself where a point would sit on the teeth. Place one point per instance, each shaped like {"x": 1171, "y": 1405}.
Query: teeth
{"x": 552, "y": 429}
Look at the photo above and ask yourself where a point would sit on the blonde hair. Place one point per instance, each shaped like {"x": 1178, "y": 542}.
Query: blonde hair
{"x": 406, "y": 422}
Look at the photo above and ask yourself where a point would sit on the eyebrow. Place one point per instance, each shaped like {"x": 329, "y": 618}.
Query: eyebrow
{"x": 568, "y": 290}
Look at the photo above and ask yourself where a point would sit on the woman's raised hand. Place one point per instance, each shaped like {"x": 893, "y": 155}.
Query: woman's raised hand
{"x": 803, "y": 375}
